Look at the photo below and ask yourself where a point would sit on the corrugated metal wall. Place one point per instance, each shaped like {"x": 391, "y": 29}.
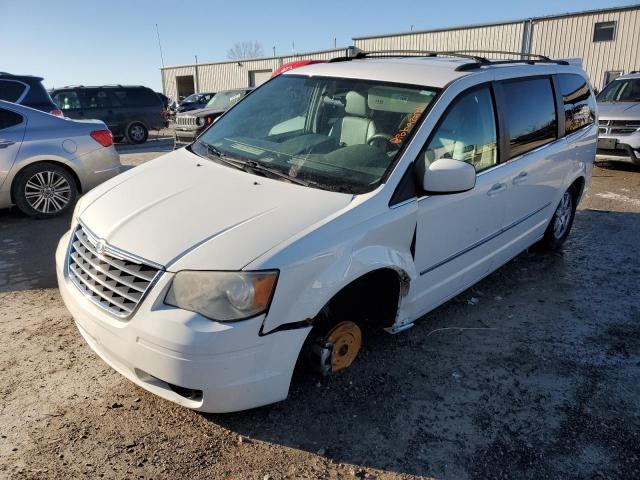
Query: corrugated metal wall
{"x": 233, "y": 74}
{"x": 506, "y": 37}
{"x": 572, "y": 36}
{"x": 557, "y": 37}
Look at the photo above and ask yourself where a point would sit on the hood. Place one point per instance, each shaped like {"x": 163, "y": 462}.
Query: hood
{"x": 186, "y": 212}
{"x": 619, "y": 110}
{"x": 201, "y": 112}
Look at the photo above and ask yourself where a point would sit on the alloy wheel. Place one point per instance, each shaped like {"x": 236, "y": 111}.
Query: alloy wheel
{"x": 47, "y": 192}
{"x": 137, "y": 133}
{"x": 562, "y": 217}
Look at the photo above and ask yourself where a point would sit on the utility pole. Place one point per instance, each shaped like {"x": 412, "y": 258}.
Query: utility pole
{"x": 197, "y": 78}
{"x": 274, "y": 51}
{"x": 160, "y": 46}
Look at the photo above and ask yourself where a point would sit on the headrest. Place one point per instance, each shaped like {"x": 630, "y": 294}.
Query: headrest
{"x": 355, "y": 104}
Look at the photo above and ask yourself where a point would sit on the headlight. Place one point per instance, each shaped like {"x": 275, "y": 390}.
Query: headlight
{"x": 222, "y": 296}
{"x": 201, "y": 121}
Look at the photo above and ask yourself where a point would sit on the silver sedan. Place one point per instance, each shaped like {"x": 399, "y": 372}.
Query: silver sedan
{"x": 47, "y": 161}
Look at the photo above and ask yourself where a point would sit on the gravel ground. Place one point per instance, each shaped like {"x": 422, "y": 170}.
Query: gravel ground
{"x": 532, "y": 373}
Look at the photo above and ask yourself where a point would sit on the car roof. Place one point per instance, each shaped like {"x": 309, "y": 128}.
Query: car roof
{"x": 435, "y": 72}
{"x": 99, "y": 86}
{"x": 634, "y": 74}
{"x": 24, "y": 78}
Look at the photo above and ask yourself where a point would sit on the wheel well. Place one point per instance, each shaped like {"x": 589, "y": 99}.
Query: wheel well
{"x": 578, "y": 185}
{"x": 73, "y": 174}
{"x": 372, "y": 298}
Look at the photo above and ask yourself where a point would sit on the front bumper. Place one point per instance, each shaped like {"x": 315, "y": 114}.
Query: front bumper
{"x": 188, "y": 134}
{"x": 620, "y": 148}
{"x": 182, "y": 356}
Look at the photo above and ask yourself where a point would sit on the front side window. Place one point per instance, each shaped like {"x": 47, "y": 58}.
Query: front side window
{"x": 530, "y": 110}
{"x": 330, "y": 133}
{"x": 625, "y": 90}
{"x": 11, "y": 91}
{"x": 579, "y": 105}
{"x": 67, "y": 100}
{"x": 604, "y": 31}
{"x": 467, "y": 132}
{"x": 9, "y": 118}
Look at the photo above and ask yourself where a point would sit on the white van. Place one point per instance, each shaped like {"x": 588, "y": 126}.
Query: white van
{"x": 363, "y": 191}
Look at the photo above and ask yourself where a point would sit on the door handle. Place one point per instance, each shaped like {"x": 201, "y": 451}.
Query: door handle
{"x": 496, "y": 189}
{"x": 5, "y": 143}
{"x": 520, "y": 178}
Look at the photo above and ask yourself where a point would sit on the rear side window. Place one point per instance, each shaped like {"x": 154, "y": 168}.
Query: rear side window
{"x": 579, "y": 104}
{"x": 11, "y": 91}
{"x": 530, "y": 112}
{"x": 96, "y": 98}
{"x": 9, "y": 118}
{"x": 67, "y": 100}
{"x": 467, "y": 132}
{"x": 136, "y": 97}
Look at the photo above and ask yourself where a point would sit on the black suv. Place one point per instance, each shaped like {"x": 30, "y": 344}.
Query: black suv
{"x": 28, "y": 91}
{"x": 129, "y": 111}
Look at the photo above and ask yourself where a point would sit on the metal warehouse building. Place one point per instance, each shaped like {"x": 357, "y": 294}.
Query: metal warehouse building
{"x": 606, "y": 40}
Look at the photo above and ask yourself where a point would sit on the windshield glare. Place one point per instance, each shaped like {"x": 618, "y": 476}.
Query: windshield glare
{"x": 621, "y": 91}
{"x": 337, "y": 134}
{"x": 224, "y": 100}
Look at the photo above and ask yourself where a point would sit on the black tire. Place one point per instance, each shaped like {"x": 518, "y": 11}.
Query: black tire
{"x": 137, "y": 133}
{"x": 561, "y": 221}
{"x": 45, "y": 190}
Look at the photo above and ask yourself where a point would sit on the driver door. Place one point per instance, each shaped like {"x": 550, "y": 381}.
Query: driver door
{"x": 457, "y": 233}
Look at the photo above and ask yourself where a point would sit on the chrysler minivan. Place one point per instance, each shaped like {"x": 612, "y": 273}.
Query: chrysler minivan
{"x": 337, "y": 198}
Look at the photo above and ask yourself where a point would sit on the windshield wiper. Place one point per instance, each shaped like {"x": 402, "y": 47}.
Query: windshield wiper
{"x": 253, "y": 165}
{"x": 222, "y": 156}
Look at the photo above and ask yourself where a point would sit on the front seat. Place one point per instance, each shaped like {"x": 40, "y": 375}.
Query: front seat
{"x": 356, "y": 128}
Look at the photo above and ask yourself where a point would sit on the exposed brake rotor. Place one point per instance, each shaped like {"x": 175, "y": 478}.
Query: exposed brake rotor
{"x": 339, "y": 348}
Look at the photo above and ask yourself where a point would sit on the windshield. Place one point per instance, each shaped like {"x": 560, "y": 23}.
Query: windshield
{"x": 621, "y": 91}
{"x": 331, "y": 133}
{"x": 193, "y": 98}
{"x": 224, "y": 100}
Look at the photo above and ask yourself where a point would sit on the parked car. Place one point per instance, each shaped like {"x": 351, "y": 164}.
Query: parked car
{"x": 47, "y": 161}
{"x": 27, "y": 90}
{"x": 619, "y": 121}
{"x": 195, "y": 101}
{"x": 165, "y": 100}
{"x": 189, "y": 125}
{"x": 356, "y": 193}
{"x": 129, "y": 111}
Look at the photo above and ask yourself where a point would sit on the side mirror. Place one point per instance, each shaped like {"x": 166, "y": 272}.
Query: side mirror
{"x": 449, "y": 176}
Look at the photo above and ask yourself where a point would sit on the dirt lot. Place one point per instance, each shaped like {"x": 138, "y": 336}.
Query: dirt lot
{"x": 533, "y": 373}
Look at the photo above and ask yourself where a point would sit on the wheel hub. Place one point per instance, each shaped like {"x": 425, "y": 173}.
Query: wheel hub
{"x": 345, "y": 340}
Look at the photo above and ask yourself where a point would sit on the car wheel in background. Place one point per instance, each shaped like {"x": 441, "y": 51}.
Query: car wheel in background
{"x": 45, "y": 190}
{"x": 137, "y": 133}
{"x": 561, "y": 222}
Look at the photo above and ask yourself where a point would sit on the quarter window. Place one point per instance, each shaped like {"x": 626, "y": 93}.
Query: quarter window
{"x": 467, "y": 132}
{"x": 11, "y": 91}
{"x": 530, "y": 111}
{"x": 9, "y": 118}
{"x": 604, "y": 31}
{"x": 579, "y": 105}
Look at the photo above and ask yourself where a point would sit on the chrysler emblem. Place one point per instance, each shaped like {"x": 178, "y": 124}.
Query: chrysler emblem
{"x": 101, "y": 246}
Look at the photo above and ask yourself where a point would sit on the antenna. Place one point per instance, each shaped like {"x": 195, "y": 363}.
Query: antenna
{"x": 159, "y": 45}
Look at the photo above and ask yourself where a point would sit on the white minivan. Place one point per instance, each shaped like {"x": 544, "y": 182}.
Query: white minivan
{"x": 335, "y": 199}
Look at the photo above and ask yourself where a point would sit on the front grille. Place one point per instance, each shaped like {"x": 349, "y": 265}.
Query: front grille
{"x": 618, "y": 127}
{"x": 113, "y": 280}
{"x": 186, "y": 120}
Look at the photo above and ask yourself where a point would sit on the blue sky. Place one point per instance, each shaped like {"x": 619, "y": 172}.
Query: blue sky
{"x": 91, "y": 43}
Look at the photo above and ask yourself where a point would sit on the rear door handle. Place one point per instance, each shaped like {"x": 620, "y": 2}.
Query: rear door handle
{"x": 496, "y": 189}
{"x": 520, "y": 178}
{"x": 5, "y": 143}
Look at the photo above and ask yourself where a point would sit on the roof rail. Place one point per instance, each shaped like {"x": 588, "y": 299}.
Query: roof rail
{"x": 354, "y": 53}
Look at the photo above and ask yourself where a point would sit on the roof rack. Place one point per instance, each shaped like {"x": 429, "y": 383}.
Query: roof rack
{"x": 354, "y": 53}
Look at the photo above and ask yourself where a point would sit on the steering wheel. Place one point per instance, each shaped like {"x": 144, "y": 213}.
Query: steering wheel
{"x": 379, "y": 138}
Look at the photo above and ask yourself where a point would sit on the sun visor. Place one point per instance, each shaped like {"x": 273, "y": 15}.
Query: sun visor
{"x": 398, "y": 100}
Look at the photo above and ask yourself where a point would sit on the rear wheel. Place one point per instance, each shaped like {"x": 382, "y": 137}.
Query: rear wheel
{"x": 137, "y": 133}
{"x": 561, "y": 222}
{"x": 45, "y": 190}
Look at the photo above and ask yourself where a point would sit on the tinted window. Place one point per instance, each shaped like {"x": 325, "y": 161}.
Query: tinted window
{"x": 530, "y": 111}
{"x": 96, "y": 98}
{"x": 604, "y": 31}
{"x": 67, "y": 100}
{"x": 467, "y": 132}
{"x": 9, "y": 118}
{"x": 135, "y": 97}
{"x": 579, "y": 105}
{"x": 624, "y": 90}
{"x": 10, "y": 90}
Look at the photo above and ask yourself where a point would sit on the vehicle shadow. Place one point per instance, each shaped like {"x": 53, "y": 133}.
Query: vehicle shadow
{"x": 27, "y": 250}
{"x": 622, "y": 166}
{"x": 480, "y": 387}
